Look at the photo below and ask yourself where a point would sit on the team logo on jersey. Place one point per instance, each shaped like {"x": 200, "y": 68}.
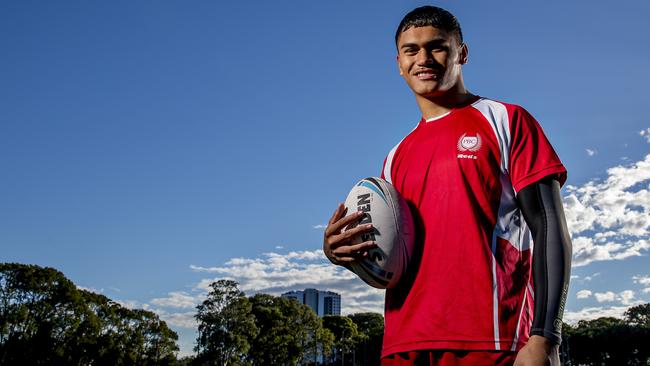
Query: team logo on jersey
{"x": 469, "y": 143}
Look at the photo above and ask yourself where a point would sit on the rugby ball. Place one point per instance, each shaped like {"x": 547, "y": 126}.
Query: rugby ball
{"x": 393, "y": 232}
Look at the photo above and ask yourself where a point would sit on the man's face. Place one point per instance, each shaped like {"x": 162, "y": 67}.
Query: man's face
{"x": 430, "y": 60}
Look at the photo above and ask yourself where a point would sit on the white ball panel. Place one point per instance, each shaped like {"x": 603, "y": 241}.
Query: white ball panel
{"x": 393, "y": 231}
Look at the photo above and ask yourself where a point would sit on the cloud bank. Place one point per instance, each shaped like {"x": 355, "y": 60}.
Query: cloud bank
{"x": 276, "y": 273}
{"x": 271, "y": 273}
{"x": 610, "y": 219}
{"x": 591, "y": 313}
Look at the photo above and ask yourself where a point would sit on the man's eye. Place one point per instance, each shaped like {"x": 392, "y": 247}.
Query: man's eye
{"x": 410, "y": 51}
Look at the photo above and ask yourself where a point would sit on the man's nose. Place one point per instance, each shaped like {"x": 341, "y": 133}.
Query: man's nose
{"x": 424, "y": 57}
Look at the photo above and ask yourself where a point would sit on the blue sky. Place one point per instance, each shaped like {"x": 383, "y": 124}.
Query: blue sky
{"x": 149, "y": 147}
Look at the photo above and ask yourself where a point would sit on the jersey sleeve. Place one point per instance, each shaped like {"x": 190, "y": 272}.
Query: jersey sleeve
{"x": 531, "y": 155}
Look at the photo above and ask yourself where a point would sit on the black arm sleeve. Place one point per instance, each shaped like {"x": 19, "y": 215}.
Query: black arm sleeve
{"x": 541, "y": 206}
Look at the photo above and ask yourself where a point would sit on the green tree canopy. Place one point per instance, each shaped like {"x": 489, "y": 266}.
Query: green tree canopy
{"x": 46, "y": 320}
{"x": 346, "y": 335}
{"x": 610, "y": 341}
{"x": 638, "y": 315}
{"x": 371, "y": 327}
{"x": 289, "y": 331}
{"x": 226, "y": 326}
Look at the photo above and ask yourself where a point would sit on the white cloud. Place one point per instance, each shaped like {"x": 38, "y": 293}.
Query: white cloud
{"x": 182, "y": 319}
{"x": 642, "y": 280}
{"x": 275, "y": 273}
{"x": 306, "y": 255}
{"x": 319, "y": 226}
{"x": 602, "y": 237}
{"x": 131, "y": 304}
{"x": 91, "y": 289}
{"x": 180, "y": 300}
{"x": 586, "y": 250}
{"x": 605, "y": 296}
{"x": 279, "y": 247}
{"x": 610, "y": 219}
{"x": 590, "y": 313}
{"x": 626, "y": 297}
{"x": 583, "y": 294}
{"x": 591, "y": 152}
{"x": 585, "y": 278}
{"x": 645, "y": 133}
{"x": 179, "y": 319}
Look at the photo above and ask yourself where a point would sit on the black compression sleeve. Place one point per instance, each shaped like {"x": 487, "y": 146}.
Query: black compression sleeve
{"x": 541, "y": 206}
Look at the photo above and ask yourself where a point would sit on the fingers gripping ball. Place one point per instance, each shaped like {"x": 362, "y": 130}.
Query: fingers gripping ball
{"x": 393, "y": 232}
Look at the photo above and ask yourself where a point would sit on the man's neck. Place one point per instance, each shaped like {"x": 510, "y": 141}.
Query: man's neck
{"x": 432, "y": 107}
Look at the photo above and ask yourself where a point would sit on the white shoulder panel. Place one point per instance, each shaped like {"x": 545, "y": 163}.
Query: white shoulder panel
{"x": 389, "y": 164}
{"x": 497, "y": 116}
{"x": 389, "y": 159}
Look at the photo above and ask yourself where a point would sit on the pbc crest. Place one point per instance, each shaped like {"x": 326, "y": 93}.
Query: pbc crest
{"x": 469, "y": 143}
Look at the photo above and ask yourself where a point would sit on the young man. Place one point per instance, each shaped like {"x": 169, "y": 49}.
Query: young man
{"x": 478, "y": 174}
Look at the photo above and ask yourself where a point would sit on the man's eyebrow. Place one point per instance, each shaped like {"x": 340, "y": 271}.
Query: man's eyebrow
{"x": 433, "y": 42}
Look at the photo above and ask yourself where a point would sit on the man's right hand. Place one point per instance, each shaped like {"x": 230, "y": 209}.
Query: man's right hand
{"x": 337, "y": 243}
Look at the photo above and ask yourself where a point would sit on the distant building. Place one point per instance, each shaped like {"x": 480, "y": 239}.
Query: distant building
{"x": 322, "y": 302}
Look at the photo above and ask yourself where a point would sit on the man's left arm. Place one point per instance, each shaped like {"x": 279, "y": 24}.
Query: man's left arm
{"x": 541, "y": 206}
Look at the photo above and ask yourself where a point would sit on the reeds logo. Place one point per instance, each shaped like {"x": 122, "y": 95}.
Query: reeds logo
{"x": 469, "y": 144}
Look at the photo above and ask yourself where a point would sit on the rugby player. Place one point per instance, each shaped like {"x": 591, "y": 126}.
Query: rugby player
{"x": 489, "y": 280}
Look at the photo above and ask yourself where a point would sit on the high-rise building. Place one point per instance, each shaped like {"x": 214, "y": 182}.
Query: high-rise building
{"x": 322, "y": 302}
{"x": 332, "y": 304}
{"x": 296, "y": 295}
{"x": 311, "y": 299}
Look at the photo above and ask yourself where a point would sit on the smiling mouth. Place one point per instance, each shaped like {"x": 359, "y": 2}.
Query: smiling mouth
{"x": 426, "y": 75}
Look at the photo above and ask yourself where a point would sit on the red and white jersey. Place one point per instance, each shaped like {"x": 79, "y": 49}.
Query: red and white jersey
{"x": 469, "y": 285}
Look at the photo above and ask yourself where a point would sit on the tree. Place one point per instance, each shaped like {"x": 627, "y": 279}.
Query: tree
{"x": 46, "y": 320}
{"x": 371, "y": 327}
{"x": 346, "y": 336}
{"x": 40, "y": 315}
{"x": 226, "y": 326}
{"x": 325, "y": 342}
{"x": 289, "y": 331}
{"x": 639, "y": 315}
{"x": 608, "y": 341}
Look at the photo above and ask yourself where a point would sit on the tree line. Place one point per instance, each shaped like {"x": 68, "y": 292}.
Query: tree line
{"x": 609, "y": 340}
{"x": 46, "y": 320}
{"x": 280, "y": 327}
{"x": 270, "y": 330}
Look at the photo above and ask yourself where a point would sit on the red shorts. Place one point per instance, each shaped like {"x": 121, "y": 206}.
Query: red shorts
{"x": 450, "y": 358}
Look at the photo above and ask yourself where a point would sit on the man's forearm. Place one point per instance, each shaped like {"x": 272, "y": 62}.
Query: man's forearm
{"x": 541, "y": 205}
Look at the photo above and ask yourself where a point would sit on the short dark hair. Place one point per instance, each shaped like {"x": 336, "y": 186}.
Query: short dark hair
{"x": 430, "y": 16}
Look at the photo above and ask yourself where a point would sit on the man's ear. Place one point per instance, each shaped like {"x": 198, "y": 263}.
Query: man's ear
{"x": 399, "y": 68}
{"x": 464, "y": 54}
